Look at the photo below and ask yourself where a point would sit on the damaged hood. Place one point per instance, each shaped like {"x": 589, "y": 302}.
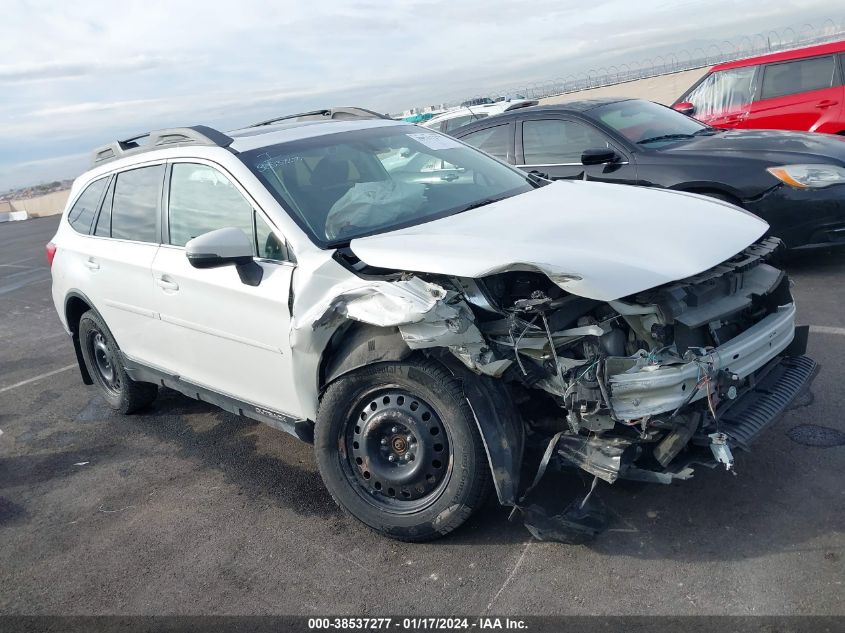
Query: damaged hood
{"x": 595, "y": 240}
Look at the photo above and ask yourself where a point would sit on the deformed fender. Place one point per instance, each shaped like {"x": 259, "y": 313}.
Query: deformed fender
{"x": 499, "y": 424}
{"x": 361, "y": 345}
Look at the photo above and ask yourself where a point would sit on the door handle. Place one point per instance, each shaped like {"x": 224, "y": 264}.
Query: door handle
{"x": 166, "y": 284}
{"x": 826, "y": 103}
{"x": 92, "y": 265}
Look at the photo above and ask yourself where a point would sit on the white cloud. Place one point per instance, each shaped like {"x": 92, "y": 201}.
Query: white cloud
{"x": 76, "y": 75}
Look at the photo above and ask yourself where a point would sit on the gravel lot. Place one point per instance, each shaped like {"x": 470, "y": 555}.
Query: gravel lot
{"x": 186, "y": 509}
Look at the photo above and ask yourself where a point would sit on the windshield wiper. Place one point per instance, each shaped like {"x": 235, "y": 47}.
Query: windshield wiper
{"x": 482, "y": 203}
{"x": 706, "y": 131}
{"x": 664, "y": 137}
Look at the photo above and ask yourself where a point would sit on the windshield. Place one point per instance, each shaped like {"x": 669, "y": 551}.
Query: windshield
{"x": 346, "y": 185}
{"x": 647, "y": 123}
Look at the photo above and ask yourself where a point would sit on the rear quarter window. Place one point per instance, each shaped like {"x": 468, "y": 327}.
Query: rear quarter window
{"x": 85, "y": 208}
{"x": 135, "y": 206}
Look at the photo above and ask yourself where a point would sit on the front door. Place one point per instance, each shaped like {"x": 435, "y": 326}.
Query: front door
{"x": 220, "y": 332}
{"x": 553, "y": 147}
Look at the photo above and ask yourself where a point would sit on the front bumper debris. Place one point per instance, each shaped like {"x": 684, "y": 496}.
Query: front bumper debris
{"x": 775, "y": 388}
{"x": 770, "y": 397}
{"x": 653, "y": 390}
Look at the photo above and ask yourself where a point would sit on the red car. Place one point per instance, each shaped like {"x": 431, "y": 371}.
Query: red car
{"x": 800, "y": 89}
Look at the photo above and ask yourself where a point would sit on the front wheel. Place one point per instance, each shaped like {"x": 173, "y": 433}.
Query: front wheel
{"x": 398, "y": 448}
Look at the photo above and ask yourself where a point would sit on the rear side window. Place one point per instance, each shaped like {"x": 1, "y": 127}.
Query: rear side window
{"x": 803, "y": 75}
{"x": 458, "y": 121}
{"x": 85, "y": 208}
{"x": 135, "y": 205}
{"x": 553, "y": 142}
{"x": 202, "y": 200}
{"x": 494, "y": 140}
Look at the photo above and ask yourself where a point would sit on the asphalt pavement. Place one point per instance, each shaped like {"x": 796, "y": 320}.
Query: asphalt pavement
{"x": 185, "y": 509}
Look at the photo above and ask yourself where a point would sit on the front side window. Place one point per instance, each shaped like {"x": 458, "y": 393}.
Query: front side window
{"x": 554, "y": 142}
{"x": 135, "y": 206}
{"x": 268, "y": 246}
{"x": 202, "y": 200}
{"x": 345, "y": 185}
{"x": 723, "y": 91}
{"x": 493, "y": 140}
{"x": 83, "y": 210}
{"x": 803, "y": 75}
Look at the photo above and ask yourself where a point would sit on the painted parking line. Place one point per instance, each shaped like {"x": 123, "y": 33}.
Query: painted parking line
{"x": 826, "y": 329}
{"x": 36, "y": 378}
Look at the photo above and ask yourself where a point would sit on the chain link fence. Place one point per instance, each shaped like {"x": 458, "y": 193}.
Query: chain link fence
{"x": 681, "y": 60}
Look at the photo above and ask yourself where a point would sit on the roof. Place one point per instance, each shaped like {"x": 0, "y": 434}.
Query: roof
{"x": 271, "y": 132}
{"x": 797, "y": 53}
{"x": 255, "y": 137}
{"x": 581, "y": 105}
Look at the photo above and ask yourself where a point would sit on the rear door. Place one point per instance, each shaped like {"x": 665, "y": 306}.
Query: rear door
{"x": 496, "y": 140}
{"x": 220, "y": 332}
{"x": 803, "y": 94}
{"x": 119, "y": 257}
{"x": 553, "y": 146}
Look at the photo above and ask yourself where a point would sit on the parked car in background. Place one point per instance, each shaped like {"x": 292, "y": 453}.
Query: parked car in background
{"x": 795, "y": 181}
{"x": 465, "y": 114}
{"x": 800, "y": 89}
{"x": 430, "y": 337}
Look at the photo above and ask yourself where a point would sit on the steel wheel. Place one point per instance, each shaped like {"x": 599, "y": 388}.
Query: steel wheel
{"x": 104, "y": 362}
{"x": 398, "y": 451}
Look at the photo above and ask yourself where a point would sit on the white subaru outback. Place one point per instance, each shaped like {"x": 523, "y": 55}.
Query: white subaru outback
{"x": 432, "y": 319}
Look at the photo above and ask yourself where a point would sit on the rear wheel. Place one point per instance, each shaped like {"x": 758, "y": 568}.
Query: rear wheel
{"x": 399, "y": 450}
{"x": 102, "y": 359}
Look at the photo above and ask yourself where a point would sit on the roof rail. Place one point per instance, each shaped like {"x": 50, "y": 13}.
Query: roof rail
{"x": 157, "y": 139}
{"x": 341, "y": 114}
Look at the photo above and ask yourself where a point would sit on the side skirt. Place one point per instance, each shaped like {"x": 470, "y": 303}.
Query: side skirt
{"x": 303, "y": 429}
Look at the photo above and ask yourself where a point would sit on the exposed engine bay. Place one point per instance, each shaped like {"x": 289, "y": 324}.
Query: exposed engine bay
{"x": 640, "y": 388}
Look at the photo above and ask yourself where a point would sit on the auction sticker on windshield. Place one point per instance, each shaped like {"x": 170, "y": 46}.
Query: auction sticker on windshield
{"x": 432, "y": 140}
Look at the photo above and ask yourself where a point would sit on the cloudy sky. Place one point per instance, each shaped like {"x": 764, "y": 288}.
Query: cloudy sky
{"x": 78, "y": 74}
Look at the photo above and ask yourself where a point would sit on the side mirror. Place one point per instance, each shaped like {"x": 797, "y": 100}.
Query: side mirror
{"x": 222, "y": 248}
{"x": 599, "y": 156}
{"x": 684, "y": 107}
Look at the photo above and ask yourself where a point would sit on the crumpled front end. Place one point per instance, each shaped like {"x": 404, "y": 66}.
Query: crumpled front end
{"x": 643, "y": 387}
{"x": 651, "y": 384}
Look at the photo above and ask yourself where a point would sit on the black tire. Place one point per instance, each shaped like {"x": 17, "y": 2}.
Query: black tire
{"x": 100, "y": 352}
{"x": 406, "y": 498}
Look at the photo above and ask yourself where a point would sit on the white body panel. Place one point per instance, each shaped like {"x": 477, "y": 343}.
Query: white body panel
{"x": 596, "y": 240}
{"x": 223, "y": 334}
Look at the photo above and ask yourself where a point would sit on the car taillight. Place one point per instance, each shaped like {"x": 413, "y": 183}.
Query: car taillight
{"x": 51, "y": 253}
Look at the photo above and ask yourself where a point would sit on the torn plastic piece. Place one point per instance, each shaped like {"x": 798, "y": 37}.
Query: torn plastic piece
{"x": 578, "y": 523}
{"x": 721, "y": 450}
{"x": 392, "y": 303}
{"x": 672, "y": 444}
{"x": 598, "y": 456}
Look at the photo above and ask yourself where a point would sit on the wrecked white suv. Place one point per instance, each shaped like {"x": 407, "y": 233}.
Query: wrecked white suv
{"x": 433, "y": 320}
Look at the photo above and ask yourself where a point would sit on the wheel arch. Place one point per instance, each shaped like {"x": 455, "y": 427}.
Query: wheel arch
{"x": 499, "y": 424}
{"x": 357, "y": 345}
{"x": 77, "y": 304}
{"x": 725, "y": 193}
